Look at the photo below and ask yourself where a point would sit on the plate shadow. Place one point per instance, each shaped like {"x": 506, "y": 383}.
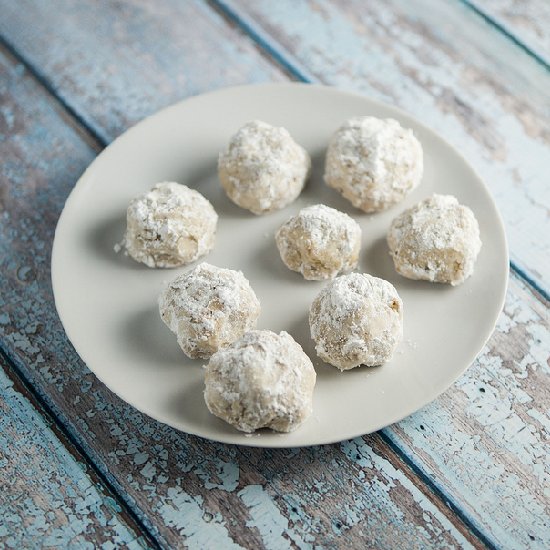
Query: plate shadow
{"x": 378, "y": 262}
{"x": 270, "y": 262}
{"x": 146, "y": 333}
{"x": 103, "y": 238}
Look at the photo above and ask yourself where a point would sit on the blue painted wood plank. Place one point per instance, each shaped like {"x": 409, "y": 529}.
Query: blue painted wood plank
{"x": 485, "y": 95}
{"x": 526, "y": 22}
{"x": 478, "y": 421}
{"x": 47, "y": 498}
{"x": 230, "y": 466}
{"x": 114, "y": 63}
{"x": 486, "y": 441}
{"x": 184, "y": 489}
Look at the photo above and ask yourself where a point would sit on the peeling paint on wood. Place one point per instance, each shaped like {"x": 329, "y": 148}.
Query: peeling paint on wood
{"x": 46, "y": 497}
{"x": 117, "y": 62}
{"x": 194, "y": 492}
{"x": 487, "y": 439}
{"x": 184, "y": 489}
{"x": 527, "y": 20}
{"x": 475, "y": 87}
{"x": 457, "y": 423}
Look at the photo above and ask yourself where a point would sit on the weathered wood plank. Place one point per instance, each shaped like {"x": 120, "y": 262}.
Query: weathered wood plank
{"x": 47, "y": 498}
{"x": 476, "y": 421}
{"x": 184, "y": 489}
{"x": 487, "y": 439}
{"x": 485, "y": 95}
{"x": 116, "y": 62}
{"x": 527, "y": 20}
{"x": 229, "y": 466}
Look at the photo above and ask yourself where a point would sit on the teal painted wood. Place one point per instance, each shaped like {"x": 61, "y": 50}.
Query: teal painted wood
{"x": 187, "y": 491}
{"x": 527, "y": 21}
{"x": 477, "y": 88}
{"x": 487, "y": 440}
{"x": 264, "y": 522}
{"x": 114, "y": 63}
{"x": 514, "y": 512}
{"x": 47, "y": 498}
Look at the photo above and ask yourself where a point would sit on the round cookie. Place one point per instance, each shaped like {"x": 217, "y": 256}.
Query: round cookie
{"x": 436, "y": 240}
{"x": 169, "y": 226}
{"x": 356, "y": 320}
{"x": 263, "y": 168}
{"x": 208, "y": 308}
{"x": 319, "y": 242}
{"x": 373, "y": 162}
{"x": 263, "y": 380}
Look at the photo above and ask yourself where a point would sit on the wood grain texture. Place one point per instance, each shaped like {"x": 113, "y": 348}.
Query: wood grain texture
{"x": 526, "y": 20}
{"x": 502, "y": 429}
{"x": 187, "y": 491}
{"x": 115, "y": 62}
{"x": 445, "y": 462}
{"x": 487, "y": 439}
{"x": 47, "y": 498}
{"x": 475, "y": 87}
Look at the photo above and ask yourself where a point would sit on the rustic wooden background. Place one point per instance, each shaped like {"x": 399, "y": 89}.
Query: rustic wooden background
{"x": 79, "y": 468}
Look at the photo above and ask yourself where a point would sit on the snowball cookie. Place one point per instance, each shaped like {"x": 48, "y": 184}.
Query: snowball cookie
{"x": 436, "y": 240}
{"x": 356, "y": 320}
{"x": 263, "y": 380}
{"x": 373, "y": 162}
{"x": 319, "y": 242}
{"x": 263, "y": 168}
{"x": 169, "y": 226}
{"x": 208, "y": 308}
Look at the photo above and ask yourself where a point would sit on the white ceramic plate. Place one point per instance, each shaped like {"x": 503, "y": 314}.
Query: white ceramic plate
{"x": 108, "y": 303}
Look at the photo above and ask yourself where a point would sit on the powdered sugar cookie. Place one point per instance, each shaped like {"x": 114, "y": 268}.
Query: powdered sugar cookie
{"x": 436, "y": 240}
{"x": 356, "y": 320}
{"x": 208, "y": 308}
{"x": 373, "y": 162}
{"x": 319, "y": 242}
{"x": 263, "y": 168}
{"x": 169, "y": 226}
{"x": 263, "y": 380}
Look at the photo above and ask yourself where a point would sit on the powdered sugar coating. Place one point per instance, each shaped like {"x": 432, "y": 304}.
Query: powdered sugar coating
{"x": 169, "y": 226}
{"x": 373, "y": 162}
{"x": 263, "y": 380}
{"x": 263, "y": 168}
{"x": 436, "y": 240}
{"x": 208, "y": 308}
{"x": 319, "y": 242}
{"x": 356, "y": 320}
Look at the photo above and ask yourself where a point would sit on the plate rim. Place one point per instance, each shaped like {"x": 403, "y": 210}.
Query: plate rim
{"x": 274, "y": 443}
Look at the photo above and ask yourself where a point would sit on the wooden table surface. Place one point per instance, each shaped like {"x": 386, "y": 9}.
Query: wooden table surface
{"x": 80, "y": 468}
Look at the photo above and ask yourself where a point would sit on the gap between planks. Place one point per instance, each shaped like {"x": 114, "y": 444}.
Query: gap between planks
{"x": 507, "y": 33}
{"x": 92, "y": 137}
{"x": 293, "y": 68}
{"x": 22, "y": 385}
